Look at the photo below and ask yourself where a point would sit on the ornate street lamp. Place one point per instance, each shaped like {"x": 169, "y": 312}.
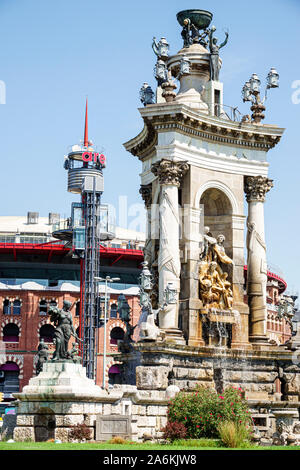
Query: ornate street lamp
{"x": 160, "y": 72}
{"x": 185, "y": 67}
{"x": 254, "y": 84}
{"x": 146, "y": 94}
{"x": 251, "y": 92}
{"x": 146, "y": 277}
{"x": 273, "y": 79}
{"x": 161, "y": 49}
{"x": 170, "y": 294}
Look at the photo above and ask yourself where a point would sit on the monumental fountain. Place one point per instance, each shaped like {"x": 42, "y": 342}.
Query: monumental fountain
{"x": 199, "y": 162}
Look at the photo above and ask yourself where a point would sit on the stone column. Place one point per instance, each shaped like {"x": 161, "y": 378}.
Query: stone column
{"x": 256, "y": 188}
{"x": 146, "y": 193}
{"x": 170, "y": 174}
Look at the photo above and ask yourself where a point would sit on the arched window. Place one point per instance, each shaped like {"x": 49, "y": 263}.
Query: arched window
{"x": 113, "y": 311}
{"x": 43, "y": 307}
{"x": 17, "y": 307}
{"x": 116, "y": 334}
{"x": 114, "y": 375}
{"x": 6, "y": 307}
{"x": 77, "y": 309}
{"x": 47, "y": 333}
{"x": 9, "y": 379}
{"x": 11, "y": 333}
{"x": 53, "y": 303}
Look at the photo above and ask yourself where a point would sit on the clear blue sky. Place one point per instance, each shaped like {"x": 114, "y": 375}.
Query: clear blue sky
{"x": 55, "y": 53}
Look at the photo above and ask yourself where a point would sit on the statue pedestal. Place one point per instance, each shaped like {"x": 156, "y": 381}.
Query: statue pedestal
{"x": 60, "y": 397}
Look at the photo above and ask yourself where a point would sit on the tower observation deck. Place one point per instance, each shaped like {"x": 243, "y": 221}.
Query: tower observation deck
{"x": 85, "y": 177}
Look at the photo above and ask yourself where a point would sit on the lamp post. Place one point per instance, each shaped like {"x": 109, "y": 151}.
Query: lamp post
{"x": 107, "y": 280}
{"x": 146, "y": 94}
{"x": 251, "y": 92}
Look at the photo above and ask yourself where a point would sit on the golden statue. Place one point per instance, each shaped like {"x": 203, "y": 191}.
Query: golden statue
{"x": 215, "y": 288}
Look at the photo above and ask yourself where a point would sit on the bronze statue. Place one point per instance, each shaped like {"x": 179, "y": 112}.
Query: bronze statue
{"x": 43, "y": 351}
{"x": 64, "y": 329}
{"x": 214, "y": 54}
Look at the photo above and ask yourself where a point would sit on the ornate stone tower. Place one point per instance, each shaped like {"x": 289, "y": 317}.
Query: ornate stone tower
{"x": 198, "y": 159}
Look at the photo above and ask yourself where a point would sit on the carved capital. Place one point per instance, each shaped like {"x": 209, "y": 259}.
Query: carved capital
{"x": 256, "y": 187}
{"x": 146, "y": 193}
{"x": 169, "y": 172}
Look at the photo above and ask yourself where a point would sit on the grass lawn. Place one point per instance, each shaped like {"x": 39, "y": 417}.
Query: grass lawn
{"x": 202, "y": 444}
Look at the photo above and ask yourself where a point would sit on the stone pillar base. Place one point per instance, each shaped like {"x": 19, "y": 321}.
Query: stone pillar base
{"x": 173, "y": 335}
{"x": 259, "y": 342}
{"x": 54, "y": 401}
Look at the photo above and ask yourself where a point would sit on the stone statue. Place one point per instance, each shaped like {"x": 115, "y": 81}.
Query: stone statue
{"x": 219, "y": 251}
{"x": 64, "y": 329}
{"x": 208, "y": 242}
{"x": 214, "y": 54}
{"x": 43, "y": 351}
{"x": 283, "y": 432}
{"x": 256, "y": 260}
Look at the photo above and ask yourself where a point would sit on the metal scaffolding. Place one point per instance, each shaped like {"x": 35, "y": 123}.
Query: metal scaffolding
{"x": 91, "y": 197}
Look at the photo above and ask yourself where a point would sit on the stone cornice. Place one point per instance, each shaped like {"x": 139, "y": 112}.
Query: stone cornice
{"x": 179, "y": 117}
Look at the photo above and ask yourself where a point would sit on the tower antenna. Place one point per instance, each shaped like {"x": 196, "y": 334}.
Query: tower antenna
{"x": 86, "y": 133}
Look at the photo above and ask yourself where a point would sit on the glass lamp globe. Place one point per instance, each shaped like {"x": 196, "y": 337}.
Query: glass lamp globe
{"x": 246, "y": 92}
{"x": 163, "y": 48}
{"x": 254, "y": 83}
{"x": 273, "y": 78}
{"x": 185, "y": 66}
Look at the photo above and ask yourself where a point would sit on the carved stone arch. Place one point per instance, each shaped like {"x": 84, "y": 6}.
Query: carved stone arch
{"x": 223, "y": 188}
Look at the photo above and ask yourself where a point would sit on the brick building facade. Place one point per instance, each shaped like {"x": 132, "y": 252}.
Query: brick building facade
{"x": 23, "y": 327}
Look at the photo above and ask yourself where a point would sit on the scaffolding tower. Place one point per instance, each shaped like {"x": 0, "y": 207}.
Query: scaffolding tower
{"x": 91, "y": 198}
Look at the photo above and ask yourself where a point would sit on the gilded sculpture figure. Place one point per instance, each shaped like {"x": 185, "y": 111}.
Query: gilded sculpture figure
{"x": 215, "y": 288}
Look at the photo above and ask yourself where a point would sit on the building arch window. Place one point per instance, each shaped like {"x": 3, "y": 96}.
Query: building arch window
{"x": 17, "y": 307}
{"x": 9, "y": 379}
{"x": 11, "y": 333}
{"x": 53, "y": 303}
{"x": 113, "y": 311}
{"x": 116, "y": 334}
{"x": 43, "y": 306}
{"x": 114, "y": 375}
{"x": 47, "y": 333}
{"x": 6, "y": 307}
